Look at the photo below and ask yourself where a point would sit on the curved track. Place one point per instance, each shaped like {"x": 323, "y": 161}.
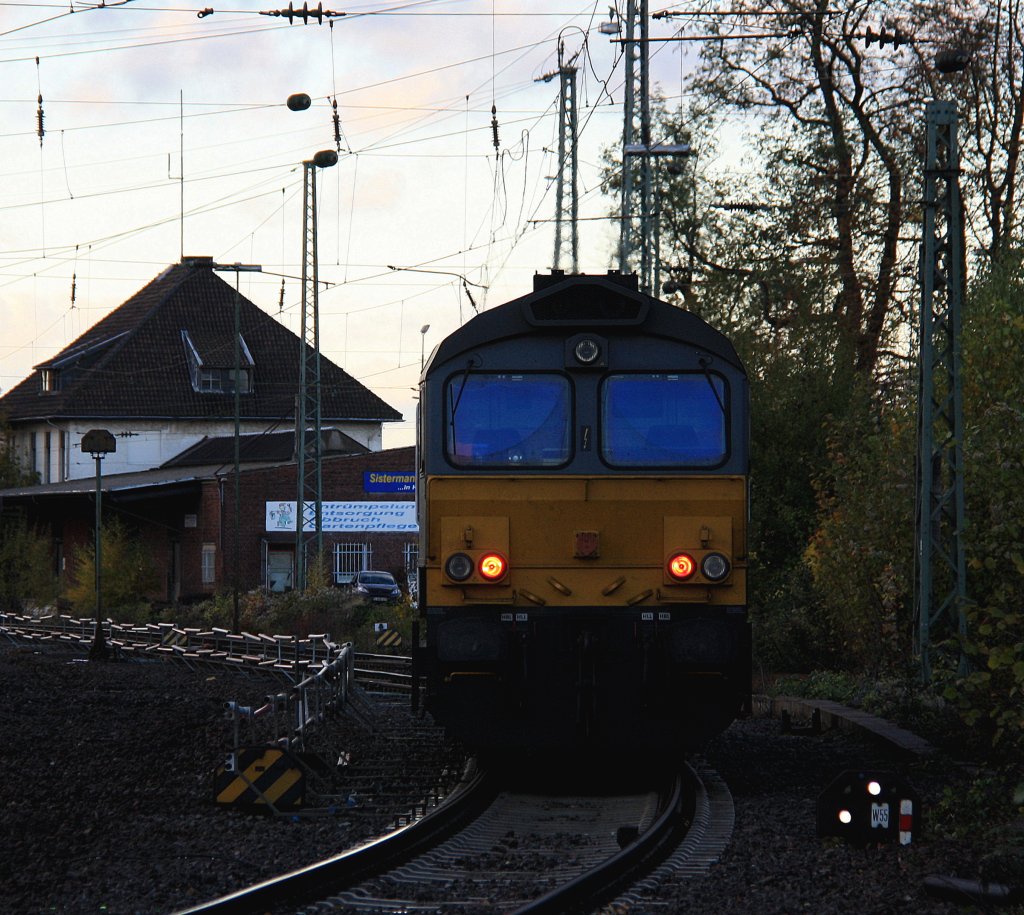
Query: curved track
{"x": 522, "y": 851}
{"x": 479, "y": 849}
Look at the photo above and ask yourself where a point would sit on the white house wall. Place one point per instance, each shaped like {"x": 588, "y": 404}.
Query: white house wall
{"x": 54, "y": 450}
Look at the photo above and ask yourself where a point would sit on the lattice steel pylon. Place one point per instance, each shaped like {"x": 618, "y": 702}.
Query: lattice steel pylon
{"x": 636, "y": 144}
{"x": 941, "y": 581}
{"x": 309, "y": 493}
{"x": 567, "y": 205}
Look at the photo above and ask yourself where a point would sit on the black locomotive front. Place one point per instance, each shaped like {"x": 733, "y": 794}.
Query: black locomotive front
{"x": 582, "y": 501}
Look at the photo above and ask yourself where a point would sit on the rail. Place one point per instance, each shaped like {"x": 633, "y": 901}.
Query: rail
{"x": 464, "y": 802}
{"x": 293, "y": 657}
{"x": 319, "y": 673}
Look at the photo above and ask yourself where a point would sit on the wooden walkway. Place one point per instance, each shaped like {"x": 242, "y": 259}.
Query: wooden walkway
{"x": 826, "y": 714}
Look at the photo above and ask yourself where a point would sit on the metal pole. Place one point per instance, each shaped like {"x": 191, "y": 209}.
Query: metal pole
{"x": 636, "y": 126}
{"x": 308, "y": 180}
{"x": 308, "y": 408}
{"x": 235, "y": 618}
{"x": 941, "y": 580}
{"x": 236, "y": 546}
{"x": 98, "y": 652}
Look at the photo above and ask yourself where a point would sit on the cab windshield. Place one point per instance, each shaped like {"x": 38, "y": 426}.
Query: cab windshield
{"x": 501, "y": 420}
{"x": 664, "y": 420}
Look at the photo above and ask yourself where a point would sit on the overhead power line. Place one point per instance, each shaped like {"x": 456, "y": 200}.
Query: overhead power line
{"x": 305, "y": 14}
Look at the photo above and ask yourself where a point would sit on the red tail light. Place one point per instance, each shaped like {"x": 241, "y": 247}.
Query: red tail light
{"x": 681, "y": 566}
{"x": 492, "y": 566}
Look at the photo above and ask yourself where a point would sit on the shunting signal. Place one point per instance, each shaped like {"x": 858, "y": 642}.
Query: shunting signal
{"x": 866, "y": 808}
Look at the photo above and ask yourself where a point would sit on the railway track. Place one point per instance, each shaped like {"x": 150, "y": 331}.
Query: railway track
{"x": 284, "y": 655}
{"x": 524, "y": 850}
{"x": 287, "y": 657}
{"x": 475, "y": 848}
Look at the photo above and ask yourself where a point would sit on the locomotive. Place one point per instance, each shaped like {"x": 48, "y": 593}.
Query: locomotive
{"x": 582, "y": 498}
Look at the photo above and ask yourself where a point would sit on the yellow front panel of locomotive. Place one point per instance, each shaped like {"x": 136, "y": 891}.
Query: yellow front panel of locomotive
{"x": 573, "y": 541}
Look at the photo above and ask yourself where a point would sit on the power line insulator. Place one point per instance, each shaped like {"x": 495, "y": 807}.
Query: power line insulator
{"x": 494, "y": 128}
{"x": 883, "y": 38}
{"x": 305, "y": 14}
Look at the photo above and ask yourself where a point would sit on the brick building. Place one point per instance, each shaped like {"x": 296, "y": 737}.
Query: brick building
{"x": 159, "y": 374}
{"x": 185, "y": 516}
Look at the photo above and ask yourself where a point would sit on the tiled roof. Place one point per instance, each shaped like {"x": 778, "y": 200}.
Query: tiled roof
{"x": 132, "y": 363}
{"x": 276, "y": 447}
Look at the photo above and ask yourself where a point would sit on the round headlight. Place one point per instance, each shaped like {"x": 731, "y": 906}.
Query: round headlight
{"x": 714, "y": 567}
{"x": 458, "y": 567}
{"x": 681, "y": 566}
{"x": 587, "y": 351}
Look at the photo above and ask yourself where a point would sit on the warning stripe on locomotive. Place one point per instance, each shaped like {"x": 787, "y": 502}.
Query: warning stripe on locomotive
{"x": 261, "y": 776}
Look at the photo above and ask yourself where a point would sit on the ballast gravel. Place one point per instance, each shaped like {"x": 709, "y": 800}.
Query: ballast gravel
{"x": 107, "y": 805}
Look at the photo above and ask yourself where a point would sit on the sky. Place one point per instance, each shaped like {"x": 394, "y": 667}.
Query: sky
{"x": 165, "y": 131}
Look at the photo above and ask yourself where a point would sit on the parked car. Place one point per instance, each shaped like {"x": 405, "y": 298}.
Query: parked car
{"x": 378, "y": 587}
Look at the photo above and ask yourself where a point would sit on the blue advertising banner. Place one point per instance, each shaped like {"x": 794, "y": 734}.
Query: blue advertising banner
{"x": 390, "y": 481}
{"x": 379, "y": 517}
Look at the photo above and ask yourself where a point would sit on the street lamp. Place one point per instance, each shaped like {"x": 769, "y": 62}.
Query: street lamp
{"x": 99, "y": 443}
{"x": 423, "y": 340}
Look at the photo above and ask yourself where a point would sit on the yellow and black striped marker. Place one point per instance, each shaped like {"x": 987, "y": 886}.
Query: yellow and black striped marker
{"x": 261, "y": 777}
{"x": 392, "y": 638}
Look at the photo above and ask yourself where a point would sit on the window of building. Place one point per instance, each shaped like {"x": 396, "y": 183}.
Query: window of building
{"x": 50, "y": 379}
{"x": 350, "y": 558}
{"x": 215, "y": 374}
{"x": 410, "y": 555}
{"x": 279, "y": 570}
{"x": 209, "y": 563}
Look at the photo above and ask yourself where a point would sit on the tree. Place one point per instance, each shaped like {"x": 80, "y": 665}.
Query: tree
{"x": 989, "y": 38}
{"x": 128, "y": 573}
{"x": 26, "y": 565}
{"x": 829, "y": 123}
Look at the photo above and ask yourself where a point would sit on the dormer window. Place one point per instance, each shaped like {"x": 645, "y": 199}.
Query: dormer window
{"x": 211, "y": 365}
{"x": 50, "y": 379}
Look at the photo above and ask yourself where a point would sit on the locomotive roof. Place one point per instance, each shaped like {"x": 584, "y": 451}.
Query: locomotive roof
{"x": 581, "y": 302}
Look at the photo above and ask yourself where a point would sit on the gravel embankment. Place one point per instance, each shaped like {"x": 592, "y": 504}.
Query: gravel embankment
{"x": 107, "y": 805}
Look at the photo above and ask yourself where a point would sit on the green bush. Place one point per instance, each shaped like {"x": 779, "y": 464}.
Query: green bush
{"x": 991, "y": 695}
{"x": 27, "y": 575}
{"x": 860, "y": 557}
{"x": 127, "y": 575}
{"x": 327, "y": 610}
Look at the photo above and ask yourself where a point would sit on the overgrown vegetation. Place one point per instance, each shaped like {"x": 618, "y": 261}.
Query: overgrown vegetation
{"x": 127, "y": 573}
{"x": 320, "y": 610}
{"x": 27, "y": 576}
{"x": 810, "y": 265}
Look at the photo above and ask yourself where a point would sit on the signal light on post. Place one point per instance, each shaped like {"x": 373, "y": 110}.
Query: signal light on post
{"x": 681, "y": 566}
